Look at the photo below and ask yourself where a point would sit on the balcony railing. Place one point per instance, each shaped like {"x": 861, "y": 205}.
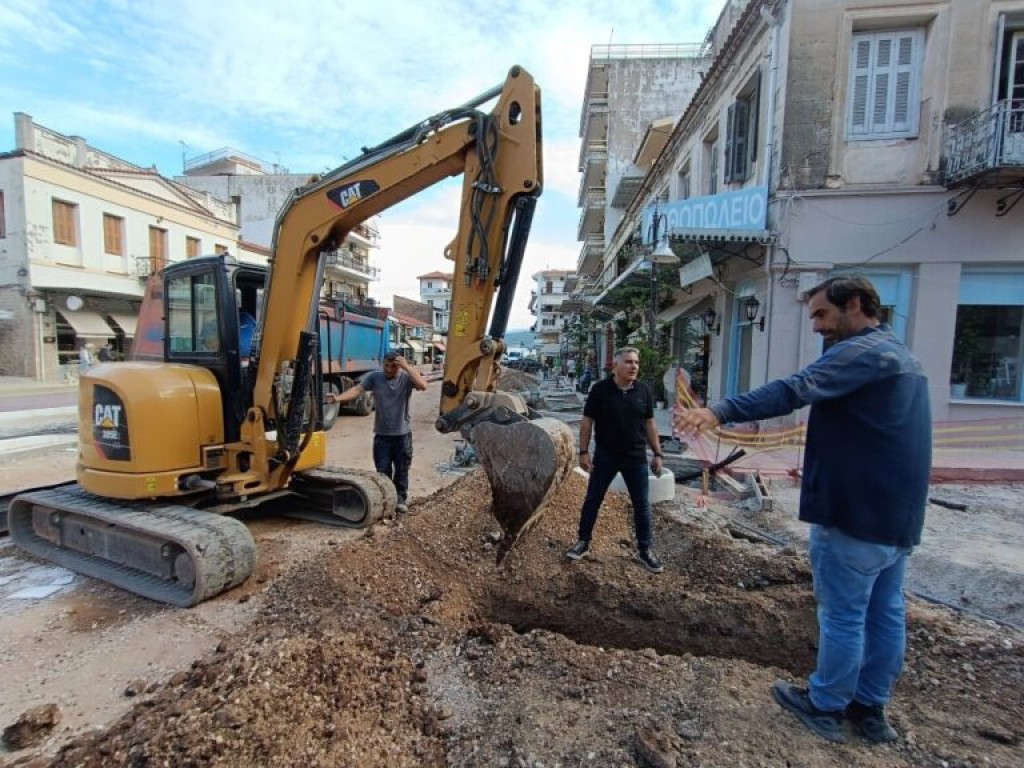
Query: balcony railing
{"x": 989, "y": 144}
{"x": 343, "y": 259}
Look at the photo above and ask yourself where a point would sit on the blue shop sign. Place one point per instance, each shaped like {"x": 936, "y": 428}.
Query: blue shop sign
{"x": 744, "y": 209}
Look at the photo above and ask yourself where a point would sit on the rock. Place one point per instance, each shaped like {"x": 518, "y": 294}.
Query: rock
{"x": 653, "y": 749}
{"x": 32, "y": 727}
{"x": 135, "y": 687}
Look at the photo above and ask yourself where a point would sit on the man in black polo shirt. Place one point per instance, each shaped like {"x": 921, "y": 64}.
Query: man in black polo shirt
{"x": 622, "y": 409}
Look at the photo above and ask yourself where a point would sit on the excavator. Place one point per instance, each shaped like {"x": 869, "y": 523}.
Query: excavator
{"x": 175, "y": 448}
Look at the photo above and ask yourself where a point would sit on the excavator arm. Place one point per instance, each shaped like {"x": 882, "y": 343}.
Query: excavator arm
{"x": 499, "y": 155}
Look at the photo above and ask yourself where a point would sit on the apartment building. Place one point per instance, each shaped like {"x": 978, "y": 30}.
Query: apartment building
{"x": 546, "y": 299}
{"x": 258, "y": 191}
{"x": 634, "y": 95}
{"x": 828, "y": 137}
{"x": 436, "y": 292}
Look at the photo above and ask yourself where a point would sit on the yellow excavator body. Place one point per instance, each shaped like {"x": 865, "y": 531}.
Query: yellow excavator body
{"x": 200, "y": 429}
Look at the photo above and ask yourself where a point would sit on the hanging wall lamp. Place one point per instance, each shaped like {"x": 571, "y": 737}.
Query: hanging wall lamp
{"x": 709, "y": 322}
{"x": 751, "y": 306}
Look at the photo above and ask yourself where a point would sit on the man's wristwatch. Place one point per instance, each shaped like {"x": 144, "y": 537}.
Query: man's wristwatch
{"x": 659, "y": 455}
{"x": 583, "y": 452}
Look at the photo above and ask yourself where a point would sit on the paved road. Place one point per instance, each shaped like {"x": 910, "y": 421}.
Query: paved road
{"x": 31, "y": 402}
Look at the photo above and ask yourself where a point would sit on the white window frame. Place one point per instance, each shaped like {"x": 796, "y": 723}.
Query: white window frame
{"x": 867, "y": 118}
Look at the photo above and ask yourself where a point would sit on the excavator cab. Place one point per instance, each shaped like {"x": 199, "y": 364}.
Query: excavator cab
{"x": 203, "y": 312}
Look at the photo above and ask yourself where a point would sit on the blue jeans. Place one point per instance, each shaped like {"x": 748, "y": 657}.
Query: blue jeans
{"x": 635, "y": 476}
{"x": 392, "y": 455}
{"x": 862, "y": 633}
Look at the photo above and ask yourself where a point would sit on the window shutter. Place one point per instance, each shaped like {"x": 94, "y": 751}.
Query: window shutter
{"x": 904, "y": 71}
{"x": 739, "y": 141}
{"x": 755, "y": 110}
{"x": 884, "y": 83}
{"x": 730, "y": 138}
{"x": 880, "y": 87}
{"x": 861, "y": 76}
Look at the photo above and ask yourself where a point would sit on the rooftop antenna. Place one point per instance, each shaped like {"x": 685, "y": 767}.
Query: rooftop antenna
{"x": 184, "y": 147}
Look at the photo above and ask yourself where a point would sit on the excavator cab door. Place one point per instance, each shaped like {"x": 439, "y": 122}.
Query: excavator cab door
{"x": 201, "y": 326}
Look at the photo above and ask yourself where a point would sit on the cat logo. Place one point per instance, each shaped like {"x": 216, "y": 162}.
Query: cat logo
{"x": 107, "y": 420}
{"x": 347, "y": 196}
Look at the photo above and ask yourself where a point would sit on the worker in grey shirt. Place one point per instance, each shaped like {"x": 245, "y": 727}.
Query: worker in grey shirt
{"x": 392, "y": 433}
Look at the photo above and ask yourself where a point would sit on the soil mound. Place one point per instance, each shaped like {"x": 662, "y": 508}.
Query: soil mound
{"x": 409, "y": 647}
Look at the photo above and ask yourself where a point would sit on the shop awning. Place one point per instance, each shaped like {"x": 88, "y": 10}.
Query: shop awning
{"x": 125, "y": 322}
{"x": 690, "y": 307}
{"x": 87, "y": 324}
{"x": 415, "y": 344}
{"x": 439, "y": 345}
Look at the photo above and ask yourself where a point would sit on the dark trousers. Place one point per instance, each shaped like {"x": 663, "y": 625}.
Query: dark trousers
{"x": 635, "y": 475}
{"x": 392, "y": 455}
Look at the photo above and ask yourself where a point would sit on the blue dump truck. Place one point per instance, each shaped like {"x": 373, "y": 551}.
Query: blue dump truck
{"x": 222, "y": 324}
{"x": 353, "y": 340}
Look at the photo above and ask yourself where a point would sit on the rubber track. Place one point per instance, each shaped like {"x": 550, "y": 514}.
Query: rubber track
{"x": 376, "y": 492}
{"x": 221, "y": 549}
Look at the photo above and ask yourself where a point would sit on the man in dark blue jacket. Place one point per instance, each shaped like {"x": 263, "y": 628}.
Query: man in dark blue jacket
{"x": 864, "y": 490}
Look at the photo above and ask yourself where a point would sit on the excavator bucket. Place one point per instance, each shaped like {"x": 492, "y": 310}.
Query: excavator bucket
{"x": 525, "y": 462}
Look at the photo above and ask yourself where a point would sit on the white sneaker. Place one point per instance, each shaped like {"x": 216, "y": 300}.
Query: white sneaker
{"x": 402, "y": 507}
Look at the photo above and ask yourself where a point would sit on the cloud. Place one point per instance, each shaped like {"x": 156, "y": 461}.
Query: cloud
{"x": 308, "y": 83}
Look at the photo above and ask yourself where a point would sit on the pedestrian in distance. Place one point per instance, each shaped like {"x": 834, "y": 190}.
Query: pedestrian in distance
{"x": 392, "y": 433}
{"x": 864, "y": 489}
{"x": 85, "y": 356}
{"x": 619, "y": 411}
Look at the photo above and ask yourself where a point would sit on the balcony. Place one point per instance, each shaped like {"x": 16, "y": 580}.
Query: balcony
{"x": 987, "y": 150}
{"x": 593, "y": 163}
{"x": 592, "y": 217}
{"x": 591, "y": 255}
{"x": 343, "y": 262}
{"x": 366, "y": 233}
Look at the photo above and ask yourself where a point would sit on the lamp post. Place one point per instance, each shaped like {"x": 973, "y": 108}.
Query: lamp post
{"x": 661, "y": 253}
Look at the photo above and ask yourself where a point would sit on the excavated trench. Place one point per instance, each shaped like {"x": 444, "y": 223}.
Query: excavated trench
{"x": 772, "y": 626}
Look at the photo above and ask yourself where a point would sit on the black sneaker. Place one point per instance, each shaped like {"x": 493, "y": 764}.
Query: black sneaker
{"x": 579, "y": 550}
{"x": 828, "y": 725}
{"x": 871, "y": 722}
{"x": 650, "y": 561}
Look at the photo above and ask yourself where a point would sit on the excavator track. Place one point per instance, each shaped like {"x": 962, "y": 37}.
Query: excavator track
{"x": 166, "y": 552}
{"x": 352, "y": 498}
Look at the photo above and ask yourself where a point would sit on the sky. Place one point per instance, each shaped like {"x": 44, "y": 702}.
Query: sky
{"x": 306, "y": 84}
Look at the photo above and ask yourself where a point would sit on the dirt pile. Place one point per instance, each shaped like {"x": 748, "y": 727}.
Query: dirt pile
{"x": 517, "y": 381}
{"x": 409, "y": 648}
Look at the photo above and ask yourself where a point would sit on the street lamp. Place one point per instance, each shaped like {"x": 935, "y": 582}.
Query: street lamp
{"x": 662, "y": 253}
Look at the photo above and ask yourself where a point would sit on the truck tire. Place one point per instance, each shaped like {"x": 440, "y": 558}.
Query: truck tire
{"x": 330, "y": 409}
{"x": 363, "y": 405}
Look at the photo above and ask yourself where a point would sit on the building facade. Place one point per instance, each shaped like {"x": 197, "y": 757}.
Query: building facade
{"x": 546, "y": 300}
{"x": 436, "y": 292}
{"x": 258, "y": 191}
{"x": 80, "y": 230}
{"x": 879, "y": 138}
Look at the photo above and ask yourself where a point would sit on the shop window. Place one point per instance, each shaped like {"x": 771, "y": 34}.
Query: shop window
{"x": 987, "y": 343}
{"x": 987, "y": 352}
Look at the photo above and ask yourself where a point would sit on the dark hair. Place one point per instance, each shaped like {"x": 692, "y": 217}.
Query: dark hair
{"x": 839, "y": 291}
{"x": 391, "y": 356}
